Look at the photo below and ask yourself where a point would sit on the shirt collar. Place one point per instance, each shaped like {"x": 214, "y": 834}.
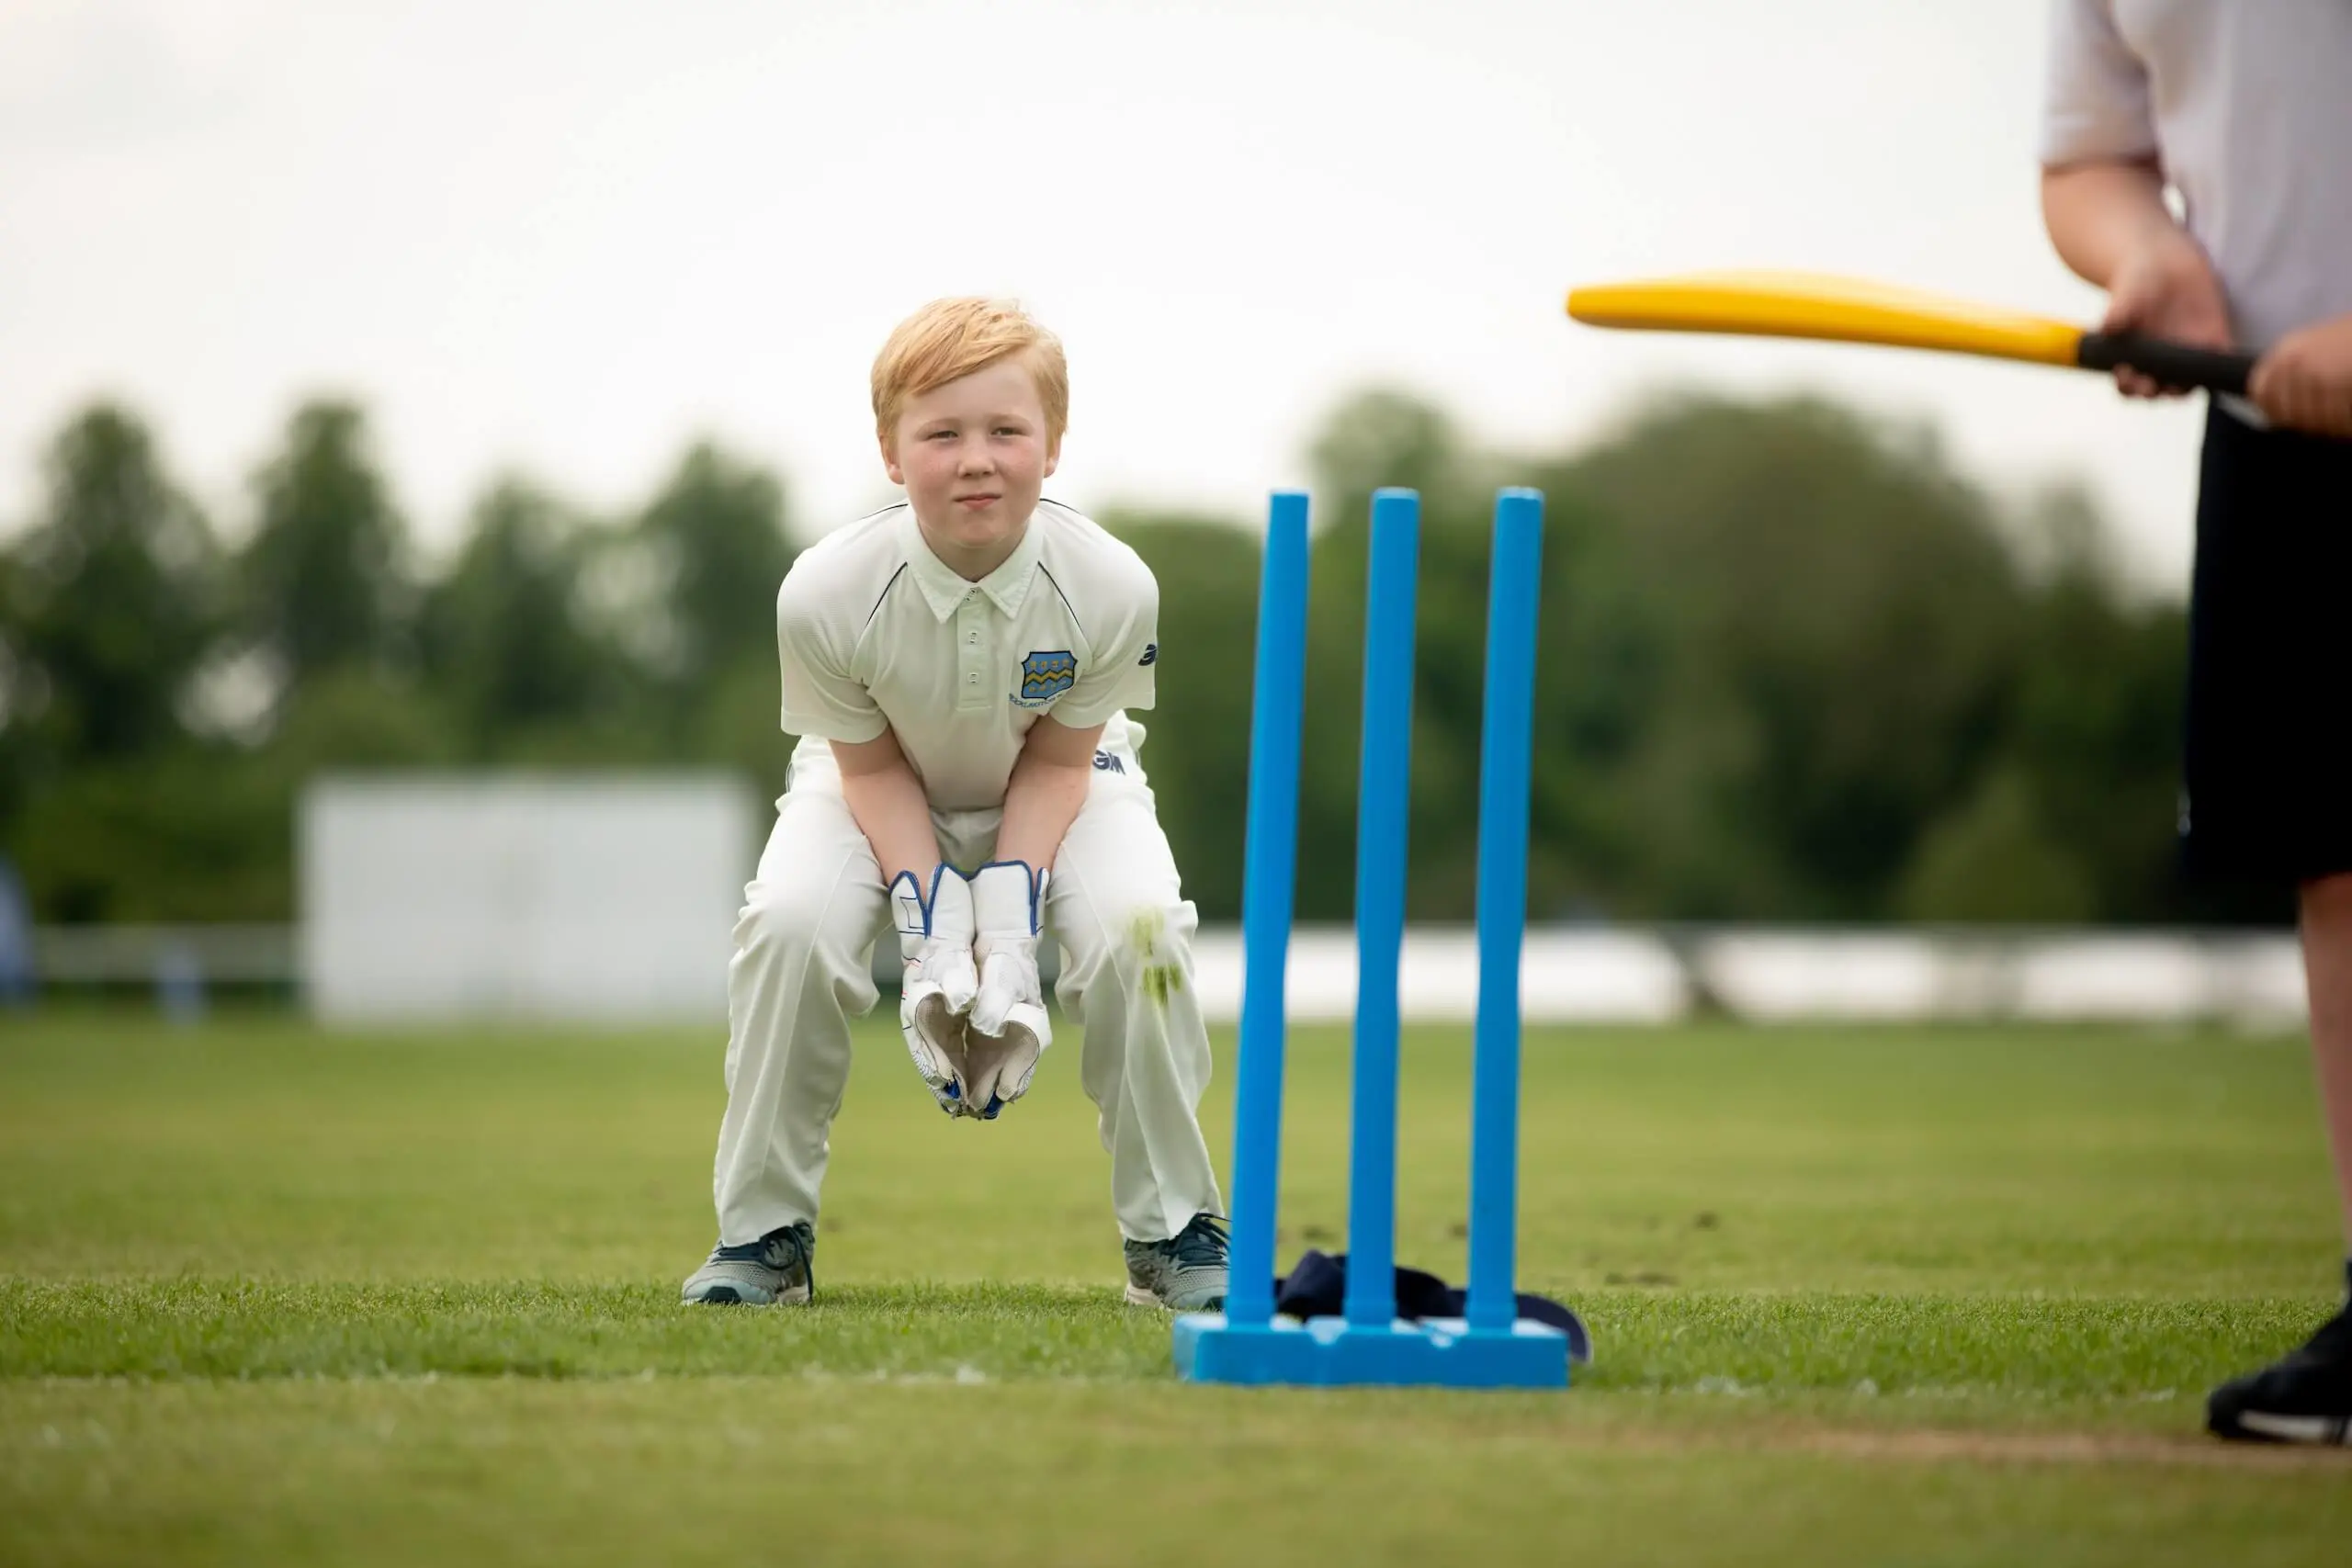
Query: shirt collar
{"x": 1007, "y": 587}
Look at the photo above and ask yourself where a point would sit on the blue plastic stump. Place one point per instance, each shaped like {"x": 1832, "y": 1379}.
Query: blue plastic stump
{"x": 1516, "y": 576}
{"x": 1270, "y": 859}
{"x": 1491, "y": 1347}
{"x": 1383, "y": 786}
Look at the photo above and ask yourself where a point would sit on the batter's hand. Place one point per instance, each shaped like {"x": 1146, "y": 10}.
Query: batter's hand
{"x": 1007, "y": 1032}
{"x": 2304, "y": 382}
{"x": 2166, "y": 289}
{"x": 935, "y": 940}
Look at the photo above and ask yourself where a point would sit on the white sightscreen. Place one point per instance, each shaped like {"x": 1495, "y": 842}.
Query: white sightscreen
{"x": 559, "y": 896}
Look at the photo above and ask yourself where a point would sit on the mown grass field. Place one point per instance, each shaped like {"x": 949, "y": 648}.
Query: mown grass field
{"x": 270, "y": 1293}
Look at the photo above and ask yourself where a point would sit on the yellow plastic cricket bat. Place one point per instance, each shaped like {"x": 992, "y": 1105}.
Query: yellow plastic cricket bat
{"x": 1848, "y": 310}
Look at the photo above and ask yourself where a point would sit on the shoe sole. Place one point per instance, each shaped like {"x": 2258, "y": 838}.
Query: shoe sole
{"x": 2266, "y": 1427}
{"x": 796, "y": 1296}
{"x": 1140, "y": 1297}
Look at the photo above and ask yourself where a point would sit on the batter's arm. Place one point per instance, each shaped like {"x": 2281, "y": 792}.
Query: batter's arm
{"x": 2102, "y": 212}
{"x": 2109, "y": 223}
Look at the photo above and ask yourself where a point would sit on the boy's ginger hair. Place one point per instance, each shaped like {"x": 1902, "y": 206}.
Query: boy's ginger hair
{"x": 951, "y": 338}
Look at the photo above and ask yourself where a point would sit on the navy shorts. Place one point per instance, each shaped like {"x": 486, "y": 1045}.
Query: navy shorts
{"x": 2267, "y": 791}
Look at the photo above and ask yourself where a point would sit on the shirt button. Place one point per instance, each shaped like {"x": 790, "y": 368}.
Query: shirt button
{"x": 971, "y": 680}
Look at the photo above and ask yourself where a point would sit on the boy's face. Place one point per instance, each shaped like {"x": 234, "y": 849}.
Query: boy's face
{"x": 973, "y": 454}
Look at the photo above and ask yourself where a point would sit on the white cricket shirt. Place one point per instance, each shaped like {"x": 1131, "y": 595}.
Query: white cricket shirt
{"x": 2248, "y": 105}
{"x": 874, "y": 630}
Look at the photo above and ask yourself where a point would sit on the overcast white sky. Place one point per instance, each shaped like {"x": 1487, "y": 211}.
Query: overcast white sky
{"x": 568, "y": 237}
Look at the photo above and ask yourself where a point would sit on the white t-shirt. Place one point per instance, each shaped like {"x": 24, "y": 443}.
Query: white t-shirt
{"x": 874, "y": 630}
{"x": 2248, "y": 105}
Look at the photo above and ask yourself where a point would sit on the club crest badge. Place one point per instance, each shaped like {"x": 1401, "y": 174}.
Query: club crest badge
{"x": 1045, "y": 676}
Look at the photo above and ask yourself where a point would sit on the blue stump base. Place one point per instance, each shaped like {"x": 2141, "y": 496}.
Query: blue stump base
{"x": 1327, "y": 1353}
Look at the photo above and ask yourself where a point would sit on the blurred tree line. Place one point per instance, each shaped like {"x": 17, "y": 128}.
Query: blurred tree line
{"x": 1794, "y": 668}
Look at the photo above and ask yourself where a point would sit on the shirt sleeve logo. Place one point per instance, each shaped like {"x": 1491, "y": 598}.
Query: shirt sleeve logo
{"x": 1047, "y": 676}
{"x": 1150, "y": 654}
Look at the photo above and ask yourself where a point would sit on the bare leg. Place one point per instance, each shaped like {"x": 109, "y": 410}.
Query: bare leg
{"x": 2327, "y": 970}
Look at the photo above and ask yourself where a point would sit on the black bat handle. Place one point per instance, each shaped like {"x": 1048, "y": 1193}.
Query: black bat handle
{"x": 2173, "y": 365}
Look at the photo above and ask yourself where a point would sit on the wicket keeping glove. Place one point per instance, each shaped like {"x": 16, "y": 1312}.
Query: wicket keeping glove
{"x": 935, "y": 940}
{"x": 1007, "y": 1032}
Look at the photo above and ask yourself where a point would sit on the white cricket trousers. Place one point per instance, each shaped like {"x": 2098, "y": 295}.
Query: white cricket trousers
{"x": 803, "y": 965}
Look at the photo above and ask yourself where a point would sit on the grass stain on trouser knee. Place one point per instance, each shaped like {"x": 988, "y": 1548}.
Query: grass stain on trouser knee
{"x": 1159, "y": 979}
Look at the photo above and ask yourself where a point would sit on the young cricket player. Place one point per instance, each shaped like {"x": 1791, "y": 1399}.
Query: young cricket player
{"x": 2246, "y": 111}
{"x": 958, "y": 667}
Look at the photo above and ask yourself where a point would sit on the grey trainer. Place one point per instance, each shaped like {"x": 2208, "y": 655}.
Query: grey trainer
{"x": 1186, "y": 1273}
{"x": 779, "y": 1267}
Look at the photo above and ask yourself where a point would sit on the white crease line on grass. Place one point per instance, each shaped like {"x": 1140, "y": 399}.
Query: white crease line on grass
{"x": 963, "y": 1374}
{"x": 1717, "y": 1387}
